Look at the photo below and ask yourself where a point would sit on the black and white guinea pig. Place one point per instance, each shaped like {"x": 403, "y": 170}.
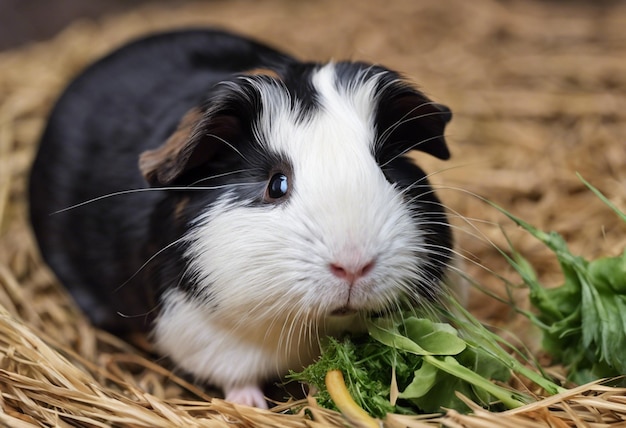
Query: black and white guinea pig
{"x": 238, "y": 203}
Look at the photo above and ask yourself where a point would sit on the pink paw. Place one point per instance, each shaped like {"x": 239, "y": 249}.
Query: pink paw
{"x": 247, "y": 395}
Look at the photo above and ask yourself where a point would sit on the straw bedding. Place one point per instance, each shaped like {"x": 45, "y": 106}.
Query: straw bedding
{"x": 539, "y": 93}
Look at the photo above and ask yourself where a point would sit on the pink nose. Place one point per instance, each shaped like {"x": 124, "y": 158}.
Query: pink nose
{"x": 352, "y": 273}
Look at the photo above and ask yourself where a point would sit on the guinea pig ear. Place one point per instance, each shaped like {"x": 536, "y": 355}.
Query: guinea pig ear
{"x": 196, "y": 141}
{"x": 410, "y": 121}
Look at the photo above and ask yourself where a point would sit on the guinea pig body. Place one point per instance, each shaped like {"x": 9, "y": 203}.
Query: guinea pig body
{"x": 237, "y": 203}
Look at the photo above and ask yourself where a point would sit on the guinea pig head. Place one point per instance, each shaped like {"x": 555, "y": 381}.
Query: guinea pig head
{"x": 308, "y": 206}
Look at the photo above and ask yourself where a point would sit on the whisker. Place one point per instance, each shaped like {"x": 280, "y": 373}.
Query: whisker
{"x": 159, "y": 303}
{"x": 148, "y": 189}
{"x": 455, "y": 214}
{"x": 424, "y": 182}
{"x": 217, "y": 137}
{"x": 155, "y": 255}
{"x": 411, "y": 148}
{"x": 142, "y": 315}
{"x": 224, "y": 174}
{"x": 433, "y": 188}
{"x": 404, "y": 119}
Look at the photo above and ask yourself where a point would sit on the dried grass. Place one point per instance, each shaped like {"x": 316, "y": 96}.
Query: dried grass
{"x": 538, "y": 90}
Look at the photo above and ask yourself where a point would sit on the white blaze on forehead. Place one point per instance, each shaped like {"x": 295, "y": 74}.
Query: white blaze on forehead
{"x": 343, "y": 115}
{"x": 331, "y": 147}
{"x": 347, "y": 111}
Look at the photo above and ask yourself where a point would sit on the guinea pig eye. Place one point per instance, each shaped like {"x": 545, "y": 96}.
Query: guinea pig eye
{"x": 277, "y": 187}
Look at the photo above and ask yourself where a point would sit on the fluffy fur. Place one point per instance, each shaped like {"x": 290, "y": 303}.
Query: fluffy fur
{"x": 236, "y": 281}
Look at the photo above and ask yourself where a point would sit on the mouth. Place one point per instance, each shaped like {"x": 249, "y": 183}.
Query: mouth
{"x": 343, "y": 311}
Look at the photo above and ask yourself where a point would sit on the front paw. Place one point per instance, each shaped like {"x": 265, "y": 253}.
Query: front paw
{"x": 248, "y": 395}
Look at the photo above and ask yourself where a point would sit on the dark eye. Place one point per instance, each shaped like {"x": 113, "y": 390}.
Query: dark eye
{"x": 278, "y": 186}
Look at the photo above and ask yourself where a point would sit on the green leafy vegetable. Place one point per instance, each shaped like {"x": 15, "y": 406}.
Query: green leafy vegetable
{"x": 584, "y": 320}
{"x": 444, "y": 352}
{"x": 428, "y": 361}
{"x": 420, "y": 336}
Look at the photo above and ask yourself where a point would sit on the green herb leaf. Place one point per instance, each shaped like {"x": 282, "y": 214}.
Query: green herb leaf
{"x": 423, "y": 380}
{"x": 584, "y": 320}
{"x": 420, "y": 337}
{"x": 429, "y": 362}
{"x": 451, "y": 375}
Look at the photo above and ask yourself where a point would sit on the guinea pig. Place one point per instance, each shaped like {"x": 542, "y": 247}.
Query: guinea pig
{"x": 237, "y": 204}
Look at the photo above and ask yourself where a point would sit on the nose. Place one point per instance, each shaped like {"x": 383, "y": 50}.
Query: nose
{"x": 351, "y": 273}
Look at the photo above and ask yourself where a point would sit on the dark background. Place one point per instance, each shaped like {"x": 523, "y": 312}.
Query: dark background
{"x": 22, "y": 21}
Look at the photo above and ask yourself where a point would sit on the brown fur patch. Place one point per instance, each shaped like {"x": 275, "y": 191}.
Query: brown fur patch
{"x": 263, "y": 72}
{"x": 161, "y": 164}
{"x": 180, "y": 208}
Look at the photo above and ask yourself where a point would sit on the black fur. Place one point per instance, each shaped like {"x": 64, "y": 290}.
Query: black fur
{"x": 428, "y": 209}
{"x": 124, "y": 104}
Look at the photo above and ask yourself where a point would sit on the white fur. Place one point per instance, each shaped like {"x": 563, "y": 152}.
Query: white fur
{"x": 265, "y": 270}
{"x": 247, "y": 395}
